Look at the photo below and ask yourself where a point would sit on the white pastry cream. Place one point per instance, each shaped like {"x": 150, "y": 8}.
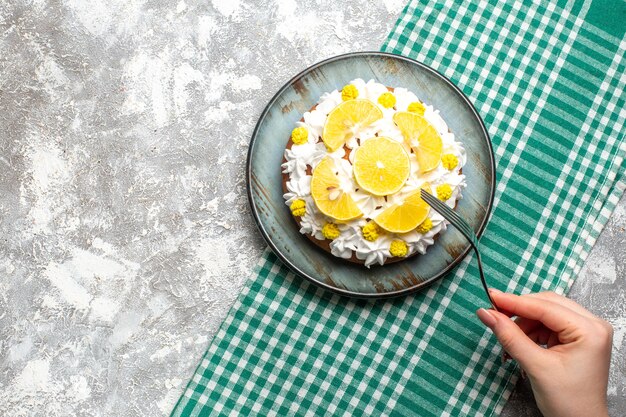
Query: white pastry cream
{"x": 309, "y": 154}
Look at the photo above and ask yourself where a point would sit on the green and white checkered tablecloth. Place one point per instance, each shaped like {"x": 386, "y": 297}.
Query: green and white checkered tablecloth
{"x": 549, "y": 81}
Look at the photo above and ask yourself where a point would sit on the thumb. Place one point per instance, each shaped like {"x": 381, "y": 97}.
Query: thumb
{"x": 512, "y": 338}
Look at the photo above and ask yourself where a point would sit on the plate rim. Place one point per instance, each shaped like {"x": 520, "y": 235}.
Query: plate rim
{"x": 345, "y": 292}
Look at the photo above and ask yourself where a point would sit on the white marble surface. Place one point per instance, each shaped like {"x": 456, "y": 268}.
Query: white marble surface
{"x": 124, "y": 229}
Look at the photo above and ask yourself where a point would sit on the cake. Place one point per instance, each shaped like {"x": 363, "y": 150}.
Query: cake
{"x": 354, "y": 166}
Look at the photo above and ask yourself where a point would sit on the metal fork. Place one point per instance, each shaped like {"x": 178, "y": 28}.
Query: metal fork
{"x": 465, "y": 229}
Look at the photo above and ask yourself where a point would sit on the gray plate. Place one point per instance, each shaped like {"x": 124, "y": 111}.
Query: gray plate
{"x": 274, "y": 219}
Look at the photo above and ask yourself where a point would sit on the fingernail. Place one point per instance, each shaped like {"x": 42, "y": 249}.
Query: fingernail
{"x": 486, "y": 317}
{"x": 494, "y": 291}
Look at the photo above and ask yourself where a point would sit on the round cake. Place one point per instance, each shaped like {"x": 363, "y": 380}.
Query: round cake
{"x": 354, "y": 167}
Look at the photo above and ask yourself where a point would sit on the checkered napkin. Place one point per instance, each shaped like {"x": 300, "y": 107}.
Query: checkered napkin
{"x": 549, "y": 81}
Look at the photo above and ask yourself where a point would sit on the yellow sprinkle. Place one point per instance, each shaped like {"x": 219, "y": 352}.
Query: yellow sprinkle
{"x": 425, "y": 226}
{"x": 444, "y": 192}
{"x": 449, "y": 161}
{"x": 417, "y": 107}
{"x": 398, "y": 248}
{"x": 330, "y": 231}
{"x": 300, "y": 135}
{"x": 349, "y": 92}
{"x": 371, "y": 231}
{"x": 387, "y": 100}
{"x": 298, "y": 208}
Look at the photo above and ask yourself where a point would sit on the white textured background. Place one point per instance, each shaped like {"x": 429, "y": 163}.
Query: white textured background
{"x": 124, "y": 229}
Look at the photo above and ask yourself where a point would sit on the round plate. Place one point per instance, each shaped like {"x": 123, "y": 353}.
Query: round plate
{"x": 274, "y": 219}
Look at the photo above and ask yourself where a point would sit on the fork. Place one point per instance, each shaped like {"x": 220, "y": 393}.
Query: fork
{"x": 465, "y": 229}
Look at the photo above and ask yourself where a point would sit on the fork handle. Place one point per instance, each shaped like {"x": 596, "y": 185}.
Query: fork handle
{"x": 482, "y": 277}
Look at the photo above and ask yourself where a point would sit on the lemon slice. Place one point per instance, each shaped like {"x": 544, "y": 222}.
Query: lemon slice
{"x": 406, "y": 216}
{"x": 422, "y": 137}
{"x": 381, "y": 166}
{"x": 344, "y": 119}
{"x": 328, "y": 195}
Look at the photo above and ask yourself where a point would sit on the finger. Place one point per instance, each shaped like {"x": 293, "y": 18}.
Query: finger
{"x": 501, "y": 310}
{"x": 554, "y": 316}
{"x": 553, "y": 340}
{"x": 512, "y": 338}
{"x": 540, "y": 336}
{"x": 527, "y": 325}
{"x": 564, "y": 301}
{"x": 506, "y": 313}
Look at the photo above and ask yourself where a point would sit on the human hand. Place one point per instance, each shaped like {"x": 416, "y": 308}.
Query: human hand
{"x": 569, "y": 376}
